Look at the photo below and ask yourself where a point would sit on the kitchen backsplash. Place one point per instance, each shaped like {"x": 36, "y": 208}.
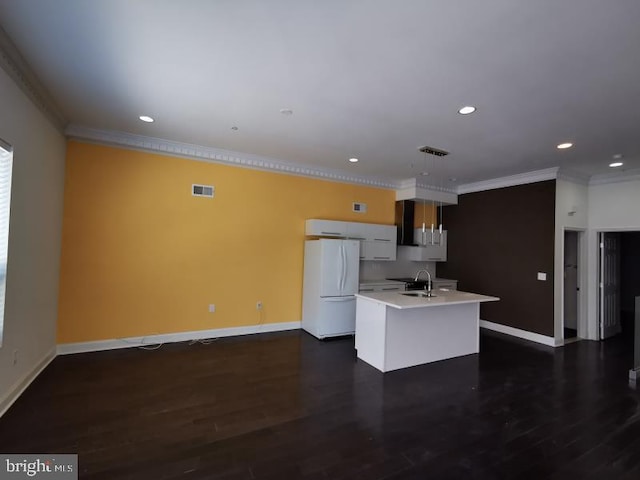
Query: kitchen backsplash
{"x": 402, "y": 267}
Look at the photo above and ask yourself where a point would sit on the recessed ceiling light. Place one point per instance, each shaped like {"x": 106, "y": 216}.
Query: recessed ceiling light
{"x": 617, "y": 156}
{"x": 146, "y": 118}
{"x": 353, "y": 160}
{"x": 286, "y": 111}
{"x": 564, "y": 146}
{"x": 466, "y": 110}
{"x": 616, "y": 164}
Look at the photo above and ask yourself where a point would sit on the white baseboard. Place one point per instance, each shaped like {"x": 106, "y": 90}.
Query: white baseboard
{"x": 516, "y": 332}
{"x": 21, "y": 385}
{"x": 81, "y": 347}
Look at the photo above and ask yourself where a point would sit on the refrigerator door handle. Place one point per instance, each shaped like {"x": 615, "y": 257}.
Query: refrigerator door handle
{"x": 343, "y": 252}
{"x": 349, "y": 298}
{"x": 339, "y": 276}
{"x": 341, "y": 269}
{"x": 346, "y": 269}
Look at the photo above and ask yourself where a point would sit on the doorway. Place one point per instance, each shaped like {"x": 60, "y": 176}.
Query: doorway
{"x": 629, "y": 282}
{"x": 571, "y": 284}
{"x": 609, "y": 284}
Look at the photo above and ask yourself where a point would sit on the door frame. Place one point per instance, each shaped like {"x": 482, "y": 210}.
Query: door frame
{"x": 594, "y": 282}
{"x": 580, "y": 288}
{"x": 582, "y": 322}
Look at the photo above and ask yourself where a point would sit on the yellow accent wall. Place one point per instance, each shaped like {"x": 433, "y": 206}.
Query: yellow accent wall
{"x": 142, "y": 256}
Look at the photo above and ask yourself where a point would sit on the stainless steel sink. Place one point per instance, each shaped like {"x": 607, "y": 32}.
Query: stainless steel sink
{"x": 419, "y": 294}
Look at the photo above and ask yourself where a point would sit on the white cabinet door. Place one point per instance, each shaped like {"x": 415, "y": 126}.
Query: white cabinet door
{"x": 382, "y": 233}
{"x": 358, "y": 231}
{"x": 379, "y": 243}
{"x": 381, "y": 251}
{"x": 326, "y": 228}
{"x": 429, "y": 252}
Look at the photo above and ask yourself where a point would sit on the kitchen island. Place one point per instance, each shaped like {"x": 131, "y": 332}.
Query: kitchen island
{"x": 402, "y": 329}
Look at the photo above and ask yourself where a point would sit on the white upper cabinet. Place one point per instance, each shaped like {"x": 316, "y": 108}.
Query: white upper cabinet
{"x": 358, "y": 231}
{"x": 326, "y": 228}
{"x": 377, "y": 242}
{"x": 383, "y": 233}
{"x": 370, "y": 250}
{"x": 428, "y": 250}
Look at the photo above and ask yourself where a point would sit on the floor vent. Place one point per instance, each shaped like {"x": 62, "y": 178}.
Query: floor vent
{"x": 202, "y": 190}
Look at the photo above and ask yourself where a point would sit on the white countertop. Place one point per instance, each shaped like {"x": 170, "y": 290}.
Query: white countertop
{"x": 443, "y": 297}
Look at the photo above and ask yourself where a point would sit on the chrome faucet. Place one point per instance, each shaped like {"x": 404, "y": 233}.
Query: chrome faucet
{"x": 428, "y": 283}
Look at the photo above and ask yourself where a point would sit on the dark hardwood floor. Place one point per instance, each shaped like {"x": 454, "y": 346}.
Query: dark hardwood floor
{"x": 287, "y": 406}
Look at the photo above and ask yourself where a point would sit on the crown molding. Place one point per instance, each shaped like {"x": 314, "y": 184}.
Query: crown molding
{"x": 12, "y": 62}
{"x": 573, "y": 176}
{"x": 615, "y": 177}
{"x": 509, "y": 181}
{"x": 216, "y": 155}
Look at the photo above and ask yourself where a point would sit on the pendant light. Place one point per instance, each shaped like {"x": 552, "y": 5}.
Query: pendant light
{"x": 441, "y": 211}
{"x": 424, "y": 209}
{"x": 437, "y": 209}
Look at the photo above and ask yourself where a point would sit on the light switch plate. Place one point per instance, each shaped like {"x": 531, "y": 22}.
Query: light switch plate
{"x": 542, "y": 276}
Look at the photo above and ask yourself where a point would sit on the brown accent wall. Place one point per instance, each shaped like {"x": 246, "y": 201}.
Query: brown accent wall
{"x": 498, "y": 240}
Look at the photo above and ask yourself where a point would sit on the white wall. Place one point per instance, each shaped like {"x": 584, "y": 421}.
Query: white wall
{"x": 34, "y": 239}
{"x": 571, "y": 214}
{"x": 612, "y": 207}
{"x": 615, "y": 206}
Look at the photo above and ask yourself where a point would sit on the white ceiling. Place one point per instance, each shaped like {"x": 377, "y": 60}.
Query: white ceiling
{"x": 375, "y": 79}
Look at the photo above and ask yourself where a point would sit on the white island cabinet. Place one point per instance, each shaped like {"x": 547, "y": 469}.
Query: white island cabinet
{"x": 402, "y": 329}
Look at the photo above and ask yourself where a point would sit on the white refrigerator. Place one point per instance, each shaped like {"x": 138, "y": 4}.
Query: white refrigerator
{"x": 331, "y": 269}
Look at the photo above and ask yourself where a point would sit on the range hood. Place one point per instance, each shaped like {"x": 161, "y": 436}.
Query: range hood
{"x": 410, "y": 189}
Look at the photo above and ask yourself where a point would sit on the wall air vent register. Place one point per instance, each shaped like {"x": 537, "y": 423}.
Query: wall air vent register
{"x": 202, "y": 190}
{"x": 359, "y": 207}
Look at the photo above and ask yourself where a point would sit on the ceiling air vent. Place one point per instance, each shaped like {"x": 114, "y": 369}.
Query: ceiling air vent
{"x": 202, "y": 190}
{"x": 433, "y": 151}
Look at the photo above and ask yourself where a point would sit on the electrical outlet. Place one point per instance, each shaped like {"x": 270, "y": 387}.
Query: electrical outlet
{"x": 15, "y": 357}
{"x": 212, "y": 308}
{"x": 259, "y": 305}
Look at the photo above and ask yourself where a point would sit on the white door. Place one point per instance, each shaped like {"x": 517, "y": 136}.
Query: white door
{"x": 339, "y": 267}
{"x": 336, "y": 316}
{"x": 609, "y": 285}
{"x": 351, "y": 262}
